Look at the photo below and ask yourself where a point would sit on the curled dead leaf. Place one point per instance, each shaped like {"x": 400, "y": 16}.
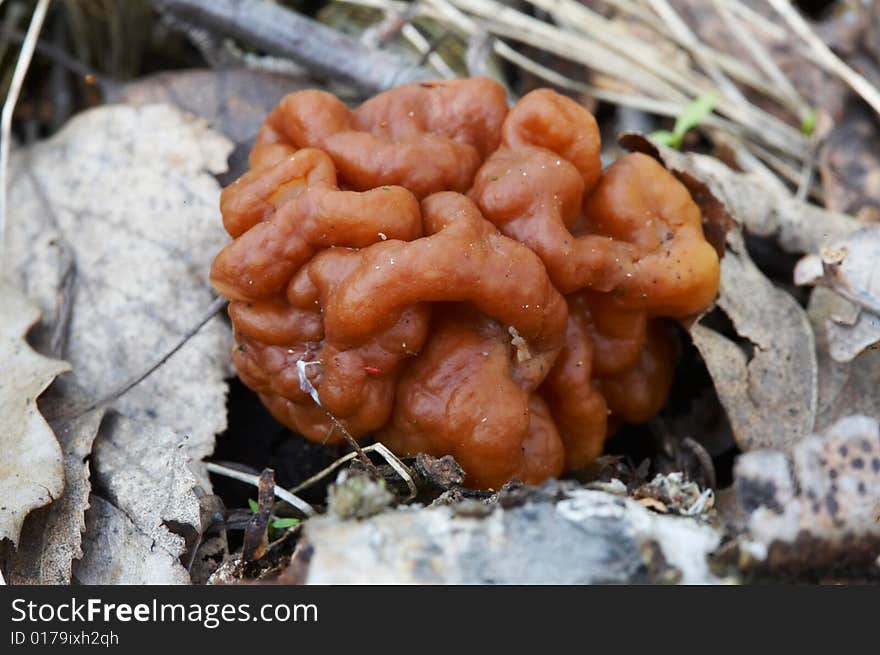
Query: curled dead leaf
{"x": 851, "y": 269}
{"x": 51, "y": 538}
{"x": 31, "y": 468}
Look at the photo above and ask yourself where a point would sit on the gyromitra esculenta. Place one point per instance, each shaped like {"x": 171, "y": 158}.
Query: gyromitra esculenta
{"x": 458, "y": 278}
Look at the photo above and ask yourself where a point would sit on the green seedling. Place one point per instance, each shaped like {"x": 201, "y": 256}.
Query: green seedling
{"x": 808, "y": 123}
{"x": 692, "y": 115}
{"x": 282, "y": 524}
{"x": 274, "y": 523}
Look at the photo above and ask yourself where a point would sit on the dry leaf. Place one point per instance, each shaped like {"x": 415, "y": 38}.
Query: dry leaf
{"x": 851, "y": 268}
{"x": 117, "y": 552}
{"x": 128, "y": 195}
{"x": 234, "y": 101}
{"x": 142, "y": 470}
{"x": 52, "y": 536}
{"x": 770, "y": 396}
{"x": 31, "y": 469}
{"x": 843, "y": 388}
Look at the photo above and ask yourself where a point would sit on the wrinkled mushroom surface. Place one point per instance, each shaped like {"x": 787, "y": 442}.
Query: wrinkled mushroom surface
{"x": 458, "y": 278}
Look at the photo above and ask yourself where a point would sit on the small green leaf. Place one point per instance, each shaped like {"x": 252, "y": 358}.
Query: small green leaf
{"x": 689, "y": 118}
{"x": 808, "y": 123}
{"x": 255, "y": 506}
{"x": 695, "y": 112}
{"x": 665, "y": 137}
{"x": 280, "y": 524}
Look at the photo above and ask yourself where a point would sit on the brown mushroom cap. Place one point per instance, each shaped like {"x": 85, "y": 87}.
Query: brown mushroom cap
{"x": 507, "y": 327}
{"x": 427, "y": 137}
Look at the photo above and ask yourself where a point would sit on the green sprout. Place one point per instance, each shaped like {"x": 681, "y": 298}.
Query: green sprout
{"x": 808, "y": 123}
{"x": 695, "y": 112}
{"x": 275, "y": 523}
{"x": 281, "y": 524}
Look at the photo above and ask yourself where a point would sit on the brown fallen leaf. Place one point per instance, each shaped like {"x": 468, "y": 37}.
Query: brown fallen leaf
{"x": 770, "y": 395}
{"x": 256, "y": 537}
{"x": 31, "y": 468}
{"x": 849, "y": 163}
{"x": 52, "y": 536}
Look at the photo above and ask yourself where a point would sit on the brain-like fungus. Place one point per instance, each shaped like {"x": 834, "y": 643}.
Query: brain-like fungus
{"x": 454, "y": 277}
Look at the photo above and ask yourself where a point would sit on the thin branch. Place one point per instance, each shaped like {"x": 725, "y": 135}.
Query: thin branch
{"x": 759, "y": 54}
{"x": 392, "y": 459}
{"x": 282, "y": 493}
{"x": 21, "y": 67}
{"x": 273, "y": 28}
{"x": 687, "y": 37}
{"x": 825, "y": 56}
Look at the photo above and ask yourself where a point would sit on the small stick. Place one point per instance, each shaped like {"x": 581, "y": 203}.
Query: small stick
{"x": 256, "y": 537}
{"x": 275, "y": 29}
{"x": 826, "y": 58}
{"x": 287, "y": 496}
{"x": 703, "y": 458}
{"x": 21, "y": 67}
{"x": 833, "y": 280}
{"x": 392, "y": 459}
{"x": 759, "y": 54}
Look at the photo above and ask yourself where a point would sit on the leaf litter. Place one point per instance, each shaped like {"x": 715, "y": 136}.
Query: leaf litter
{"x": 112, "y": 238}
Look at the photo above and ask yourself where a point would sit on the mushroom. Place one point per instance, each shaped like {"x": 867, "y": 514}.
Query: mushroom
{"x": 456, "y": 278}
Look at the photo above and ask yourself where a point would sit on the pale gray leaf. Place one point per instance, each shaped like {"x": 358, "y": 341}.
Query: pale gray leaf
{"x": 52, "y": 536}
{"x": 128, "y": 194}
{"x": 116, "y": 552}
{"x": 31, "y": 468}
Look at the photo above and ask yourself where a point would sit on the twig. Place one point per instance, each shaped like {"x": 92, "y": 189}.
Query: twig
{"x": 807, "y": 174}
{"x": 704, "y": 459}
{"x": 288, "y": 497}
{"x": 256, "y": 537}
{"x": 21, "y": 68}
{"x": 392, "y": 459}
{"x": 641, "y": 55}
{"x": 759, "y": 54}
{"x": 686, "y": 36}
{"x": 65, "y": 60}
{"x": 271, "y": 27}
{"x": 834, "y": 280}
{"x": 132, "y": 382}
{"x": 428, "y": 50}
{"x": 356, "y": 447}
{"x": 825, "y": 56}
